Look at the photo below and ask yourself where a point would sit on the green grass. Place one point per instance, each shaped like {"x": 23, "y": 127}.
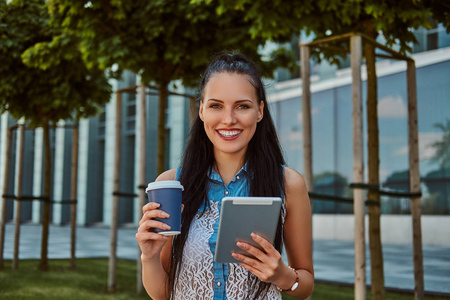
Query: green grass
{"x": 89, "y": 282}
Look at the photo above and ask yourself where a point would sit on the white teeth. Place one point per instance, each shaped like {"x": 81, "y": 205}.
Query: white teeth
{"x": 229, "y": 133}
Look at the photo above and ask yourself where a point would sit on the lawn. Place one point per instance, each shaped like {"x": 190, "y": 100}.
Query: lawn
{"x": 89, "y": 282}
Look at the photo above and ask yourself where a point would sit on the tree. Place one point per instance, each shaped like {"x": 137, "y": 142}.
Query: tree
{"x": 43, "y": 79}
{"x": 391, "y": 19}
{"x": 159, "y": 40}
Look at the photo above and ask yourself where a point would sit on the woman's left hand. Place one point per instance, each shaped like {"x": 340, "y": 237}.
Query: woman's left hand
{"x": 267, "y": 265}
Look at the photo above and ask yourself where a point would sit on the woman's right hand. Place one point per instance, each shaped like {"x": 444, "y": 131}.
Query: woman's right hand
{"x": 149, "y": 241}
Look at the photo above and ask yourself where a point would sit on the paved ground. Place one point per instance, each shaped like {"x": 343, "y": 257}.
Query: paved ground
{"x": 333, "y": 260}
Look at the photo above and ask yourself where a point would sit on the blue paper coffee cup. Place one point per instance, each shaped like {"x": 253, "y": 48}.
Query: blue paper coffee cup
{"x": 168, "y": 195}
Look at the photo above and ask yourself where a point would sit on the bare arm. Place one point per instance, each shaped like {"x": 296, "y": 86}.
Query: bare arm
{"x": 297, "y": 233}
{"x": 156, "y": 248}
{"x": 268, "y": 265}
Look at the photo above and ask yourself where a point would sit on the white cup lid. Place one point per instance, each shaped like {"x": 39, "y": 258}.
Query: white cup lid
{"x": 166, "y": 184}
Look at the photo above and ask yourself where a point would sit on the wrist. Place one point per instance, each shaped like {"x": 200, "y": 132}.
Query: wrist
{"x": 292, "y": 283}
{"x": 149, "y": 259}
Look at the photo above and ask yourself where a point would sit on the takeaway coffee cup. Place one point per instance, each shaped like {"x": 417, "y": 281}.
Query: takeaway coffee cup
{"x": 168, "y": 195}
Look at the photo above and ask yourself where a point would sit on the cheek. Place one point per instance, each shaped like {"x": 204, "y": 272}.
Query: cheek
{"x": 208, "y": 120}
{"x": 250, "y": 120}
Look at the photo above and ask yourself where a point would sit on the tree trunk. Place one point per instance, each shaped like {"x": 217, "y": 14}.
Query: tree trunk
{"x": 358, "y": 169}
{"x": 376, "y": 253}
{"x": 43, "y": 266}
{"x": 115, "y": 204}
{"x": 414, "y": 180}
{"x": 163, "y": 93}
{"x": 73, "y": 196}
{"x": 306, "y": 121}
{"x": 5, "y": 191}
{"x": 19, "y": 182}
{"x": 142, "y": 142}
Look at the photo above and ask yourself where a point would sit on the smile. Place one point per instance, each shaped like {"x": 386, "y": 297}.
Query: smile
{"x": 229, "y": 133}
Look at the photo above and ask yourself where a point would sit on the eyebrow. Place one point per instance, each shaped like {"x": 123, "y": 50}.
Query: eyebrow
{"x": 238, "y": 101}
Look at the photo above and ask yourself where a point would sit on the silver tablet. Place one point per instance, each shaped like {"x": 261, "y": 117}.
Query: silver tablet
{"x": 239, "y": 217}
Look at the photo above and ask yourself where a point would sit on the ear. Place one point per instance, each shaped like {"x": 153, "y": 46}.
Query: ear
{"x": 260, "y": 111}
{"x": 200, "y": 111}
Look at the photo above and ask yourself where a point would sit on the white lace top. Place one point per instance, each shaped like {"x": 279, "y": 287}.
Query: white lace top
{"x": 196, "y": 274}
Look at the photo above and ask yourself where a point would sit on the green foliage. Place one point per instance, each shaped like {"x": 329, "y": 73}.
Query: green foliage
{"x": 393, "y": 19}
{"x": 42, "y": 75}
{"x": 160, "y": 40}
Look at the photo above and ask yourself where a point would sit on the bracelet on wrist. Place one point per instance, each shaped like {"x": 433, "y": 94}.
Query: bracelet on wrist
{"x": 294, "y": 286}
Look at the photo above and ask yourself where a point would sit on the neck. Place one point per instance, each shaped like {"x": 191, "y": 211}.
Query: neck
{"x": 227, "y": 166}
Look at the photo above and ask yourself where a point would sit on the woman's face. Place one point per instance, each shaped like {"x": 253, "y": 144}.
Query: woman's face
{"x": 230, "y": 111}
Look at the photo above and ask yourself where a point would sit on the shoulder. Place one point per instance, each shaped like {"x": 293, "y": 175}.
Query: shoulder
{"x": 167, "y": 175}
{"x": 295, "y": 188}
{"x": 293, "y": 179}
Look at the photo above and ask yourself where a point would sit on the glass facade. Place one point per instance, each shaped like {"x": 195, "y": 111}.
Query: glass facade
{"x": 331, "y": 105}
{"x": 331, "y": 111}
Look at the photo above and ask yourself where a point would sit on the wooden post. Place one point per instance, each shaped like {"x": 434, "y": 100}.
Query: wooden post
{"x": 414, "y": 179}
{"x": 19, "y": 182}
{"x": 115, "y": 206}
{"x": 142, "y": 136}
{"x": 306, "y": 123}
{"x": 5, "y": 191}
{"x": 358, "y": 168}
{"x": 73, "y": 196}
{"x": 306, "y": 109}
{"x": 43, "y": 264}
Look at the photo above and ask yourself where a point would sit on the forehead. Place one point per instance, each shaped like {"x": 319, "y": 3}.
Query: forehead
{"x": 231, "y": 85}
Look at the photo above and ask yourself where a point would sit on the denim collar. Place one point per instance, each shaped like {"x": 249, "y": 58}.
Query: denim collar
{"x": 212, "y": 174}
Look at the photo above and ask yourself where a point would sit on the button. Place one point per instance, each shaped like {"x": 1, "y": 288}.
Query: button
{"x": 227, "y": 192}
{"x": 237, "y": 177}
{"x": 219, "y": 284}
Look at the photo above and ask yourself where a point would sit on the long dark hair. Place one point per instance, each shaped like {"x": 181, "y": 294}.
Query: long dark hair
{"x": 263, "y": 157}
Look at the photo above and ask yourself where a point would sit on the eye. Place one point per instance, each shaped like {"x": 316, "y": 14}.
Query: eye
{"x": 215, "y": 106}
{"x": 243, "y": 106}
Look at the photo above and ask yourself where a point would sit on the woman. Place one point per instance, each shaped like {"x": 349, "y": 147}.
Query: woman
{"x": 233, "y": 150}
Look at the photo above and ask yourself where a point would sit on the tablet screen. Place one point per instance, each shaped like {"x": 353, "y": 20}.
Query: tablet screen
{"x": 239, "y": 217}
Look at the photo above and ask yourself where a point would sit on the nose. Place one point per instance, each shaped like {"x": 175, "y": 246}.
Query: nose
{"x": 229, "y": 117}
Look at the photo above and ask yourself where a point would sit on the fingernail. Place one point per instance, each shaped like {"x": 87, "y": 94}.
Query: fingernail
{"x": 239, "y": 244}
{"x": 166, "y": 215}
{"x": 254, "y": 235}
{"x": 167, "y": 226}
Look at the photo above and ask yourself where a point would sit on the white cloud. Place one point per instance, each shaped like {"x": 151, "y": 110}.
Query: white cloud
{"x": 392, "y": 107}
{"x": 426, "y": 139}
{"x": 402, "y": 151}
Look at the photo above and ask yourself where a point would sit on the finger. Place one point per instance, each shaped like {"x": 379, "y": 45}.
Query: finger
{"x": 253, "y": 270}
{"x": 260, "y": 255}
{"x": 156, "y": 213}
{"x": 146, "y": 236}
{"x": 149, "y": 206}
{"x": 265, "y": 244}
{"x": 252, "y": 261}
{"x": 251, "y": 264}
{"x": 151, "y": 224}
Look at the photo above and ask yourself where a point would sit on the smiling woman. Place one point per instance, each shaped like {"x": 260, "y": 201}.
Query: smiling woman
{"x": 229, "y": 115}
{"x": 233, "y": 150}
